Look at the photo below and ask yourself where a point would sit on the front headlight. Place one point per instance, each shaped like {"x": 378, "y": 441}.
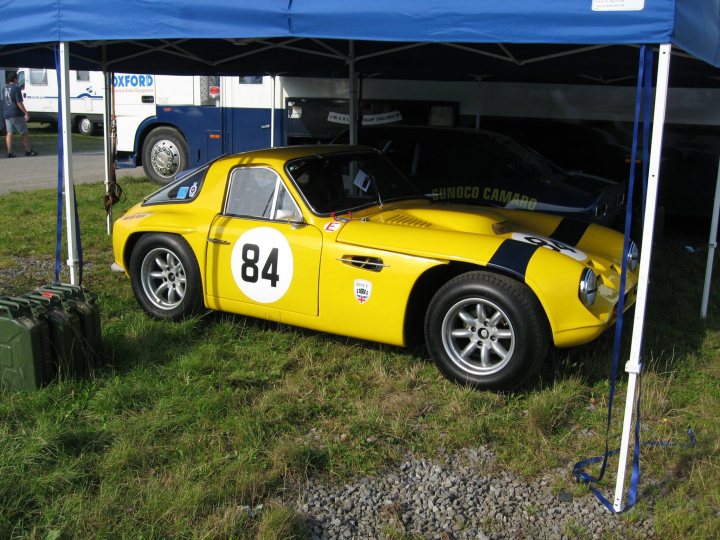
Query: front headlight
{"x": 588, "y": 287}
{"x": 633, "y": 256}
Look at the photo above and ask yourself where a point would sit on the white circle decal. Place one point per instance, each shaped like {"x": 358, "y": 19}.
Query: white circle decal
{"x": 551, "y": 244}
{"x": 262, "y": 264}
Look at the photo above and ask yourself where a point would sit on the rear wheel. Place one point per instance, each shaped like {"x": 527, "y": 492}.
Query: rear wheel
{"x": 486, "y": 330}
{"x": 165, "y": 153}
{"x": 165, "y": 277}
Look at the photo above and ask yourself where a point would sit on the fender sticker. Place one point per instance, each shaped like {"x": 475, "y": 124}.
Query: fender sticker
{"x": 332, "y": 226}
{"x": 363, "y": 290}
{"x": 137, "y": 216}
{"x": 551, "y": 244}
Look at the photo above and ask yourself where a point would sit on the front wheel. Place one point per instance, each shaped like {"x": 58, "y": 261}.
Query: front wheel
{"x": 165, "y": 154}
{"x": 85, "y": 126}
{"x": 165, "y": 277}
{"x": 487, "y": 331}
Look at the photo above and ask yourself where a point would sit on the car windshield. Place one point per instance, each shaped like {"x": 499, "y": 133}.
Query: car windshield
{"x": 337, "y": 183}
{"x": 526, "y": 161}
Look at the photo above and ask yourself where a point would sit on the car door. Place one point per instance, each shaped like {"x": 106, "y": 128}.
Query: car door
{"x": 259, "y": 250}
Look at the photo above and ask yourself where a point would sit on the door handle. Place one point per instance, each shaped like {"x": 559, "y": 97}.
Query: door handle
{"x": 218, "y": 241}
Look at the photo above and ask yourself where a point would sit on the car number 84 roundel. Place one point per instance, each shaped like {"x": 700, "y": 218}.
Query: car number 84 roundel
{"x": 262, "y": 264}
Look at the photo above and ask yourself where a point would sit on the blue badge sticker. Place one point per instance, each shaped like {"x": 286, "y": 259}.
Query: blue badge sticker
{"x": 182, "y": 192}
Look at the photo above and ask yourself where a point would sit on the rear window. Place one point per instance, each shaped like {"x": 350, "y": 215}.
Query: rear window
{"x": 183, "y": 190}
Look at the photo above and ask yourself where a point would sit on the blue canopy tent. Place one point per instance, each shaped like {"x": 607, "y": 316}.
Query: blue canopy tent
{"x": 512, "y": 39}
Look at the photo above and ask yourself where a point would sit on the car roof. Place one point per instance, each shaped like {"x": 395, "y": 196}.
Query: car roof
{"x": 287, "y": 153}
{"x": 434, "y": 129}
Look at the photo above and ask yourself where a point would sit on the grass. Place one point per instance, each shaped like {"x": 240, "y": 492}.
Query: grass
{"x": 199, "y": 429}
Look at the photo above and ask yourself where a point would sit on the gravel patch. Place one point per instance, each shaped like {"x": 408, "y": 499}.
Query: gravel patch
{"x": 34, "y": 272}
{"x": 466, "y": 495}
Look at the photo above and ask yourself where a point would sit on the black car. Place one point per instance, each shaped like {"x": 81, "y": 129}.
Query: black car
{"x": 483, "y": 167}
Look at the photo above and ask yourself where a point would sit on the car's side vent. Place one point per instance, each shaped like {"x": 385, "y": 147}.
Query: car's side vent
{"x": 408, "y": 221}
{"x": 501, "y": 227}
{"x": 366, "y": 263}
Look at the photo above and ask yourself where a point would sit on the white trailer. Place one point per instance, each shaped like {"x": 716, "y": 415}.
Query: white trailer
{"x": 40, "y": 96}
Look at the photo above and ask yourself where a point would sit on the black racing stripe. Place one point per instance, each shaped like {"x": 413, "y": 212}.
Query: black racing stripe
{"x": 513, "y": 256}
{"x": 570, "y": 231}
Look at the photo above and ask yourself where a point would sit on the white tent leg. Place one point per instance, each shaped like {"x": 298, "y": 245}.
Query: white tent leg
{"x": 69, "y": 187}
{"x": 107, "y": 146}
{"x": 712, "y": 244}
{"x": 633, "y": 366}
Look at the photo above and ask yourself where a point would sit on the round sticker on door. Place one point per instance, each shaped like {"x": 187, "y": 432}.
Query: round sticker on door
{"x": 262, "y": 264}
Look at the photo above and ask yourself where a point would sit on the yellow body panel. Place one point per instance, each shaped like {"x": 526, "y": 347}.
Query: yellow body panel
{"x": 324, "y": 282}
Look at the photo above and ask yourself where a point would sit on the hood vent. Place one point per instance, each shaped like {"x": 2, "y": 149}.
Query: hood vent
{"x": 501, "y": 227}
{"x": 408, "y": 221}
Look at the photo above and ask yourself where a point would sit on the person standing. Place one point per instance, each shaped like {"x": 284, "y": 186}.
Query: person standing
{"x": 16, "y": 117}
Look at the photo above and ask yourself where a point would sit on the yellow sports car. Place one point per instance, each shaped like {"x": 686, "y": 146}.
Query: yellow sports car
{"x": 334, "y": 238}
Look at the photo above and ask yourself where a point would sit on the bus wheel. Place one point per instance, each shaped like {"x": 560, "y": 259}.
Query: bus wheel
{"x": 165, "y": 153}
{"x": 85, "y": 126}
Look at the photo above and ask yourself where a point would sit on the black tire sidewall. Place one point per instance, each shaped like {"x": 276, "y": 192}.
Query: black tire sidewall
{"x": 192, "y": 302}
{"x": 521, "y": 307}
{"x": 158, "y": 134}
{"x": 80, "y": 130}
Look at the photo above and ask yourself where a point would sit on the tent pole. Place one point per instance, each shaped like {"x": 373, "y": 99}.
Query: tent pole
{"x": 633, "y": 367}
{"x": 107, "y": 147}
{"x": 352, "y": 93}
{"x": 69, "y": 187}
{"x": 272, "y": 112}
{"x": 712, "y": 244}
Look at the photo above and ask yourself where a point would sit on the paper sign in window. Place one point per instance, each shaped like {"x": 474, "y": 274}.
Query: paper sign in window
{"x": 362, "y": 181}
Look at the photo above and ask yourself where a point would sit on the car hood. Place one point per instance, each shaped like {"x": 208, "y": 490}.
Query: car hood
{"x": 452, "y": 231}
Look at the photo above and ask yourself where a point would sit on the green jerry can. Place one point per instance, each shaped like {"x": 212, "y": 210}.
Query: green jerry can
{"x": 84, "y": 303}
{"x": 26, "y": 360}
{"x": 77, "y": 299}
{"x": 65, "y": 331}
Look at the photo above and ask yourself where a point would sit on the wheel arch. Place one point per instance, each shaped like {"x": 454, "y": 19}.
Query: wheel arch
{"x": 130, "y": 244}
{"x": 144, "y": 131}
{"x": 430, "y": 282}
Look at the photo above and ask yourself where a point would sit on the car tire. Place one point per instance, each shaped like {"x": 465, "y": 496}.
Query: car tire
{"x": 165, "y": 277}
{"x": 165, "y": 153}
{"x": 487, "y": 331}
{"x": 85, "y": 126}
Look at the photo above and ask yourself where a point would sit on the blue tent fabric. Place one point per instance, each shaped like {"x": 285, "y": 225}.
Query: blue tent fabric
{"x": 689, "y": 24}
{"x": 488, "y": 21}
{"x": 697, "y": 29}
{"x": 36, "y": 21}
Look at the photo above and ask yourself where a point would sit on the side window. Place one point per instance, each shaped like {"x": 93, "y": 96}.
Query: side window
{"x": 38, "y": 76}
{"x": 82, "y": 75}
{"x": 259, "y": 193}
{"x": 184, "y": 189}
